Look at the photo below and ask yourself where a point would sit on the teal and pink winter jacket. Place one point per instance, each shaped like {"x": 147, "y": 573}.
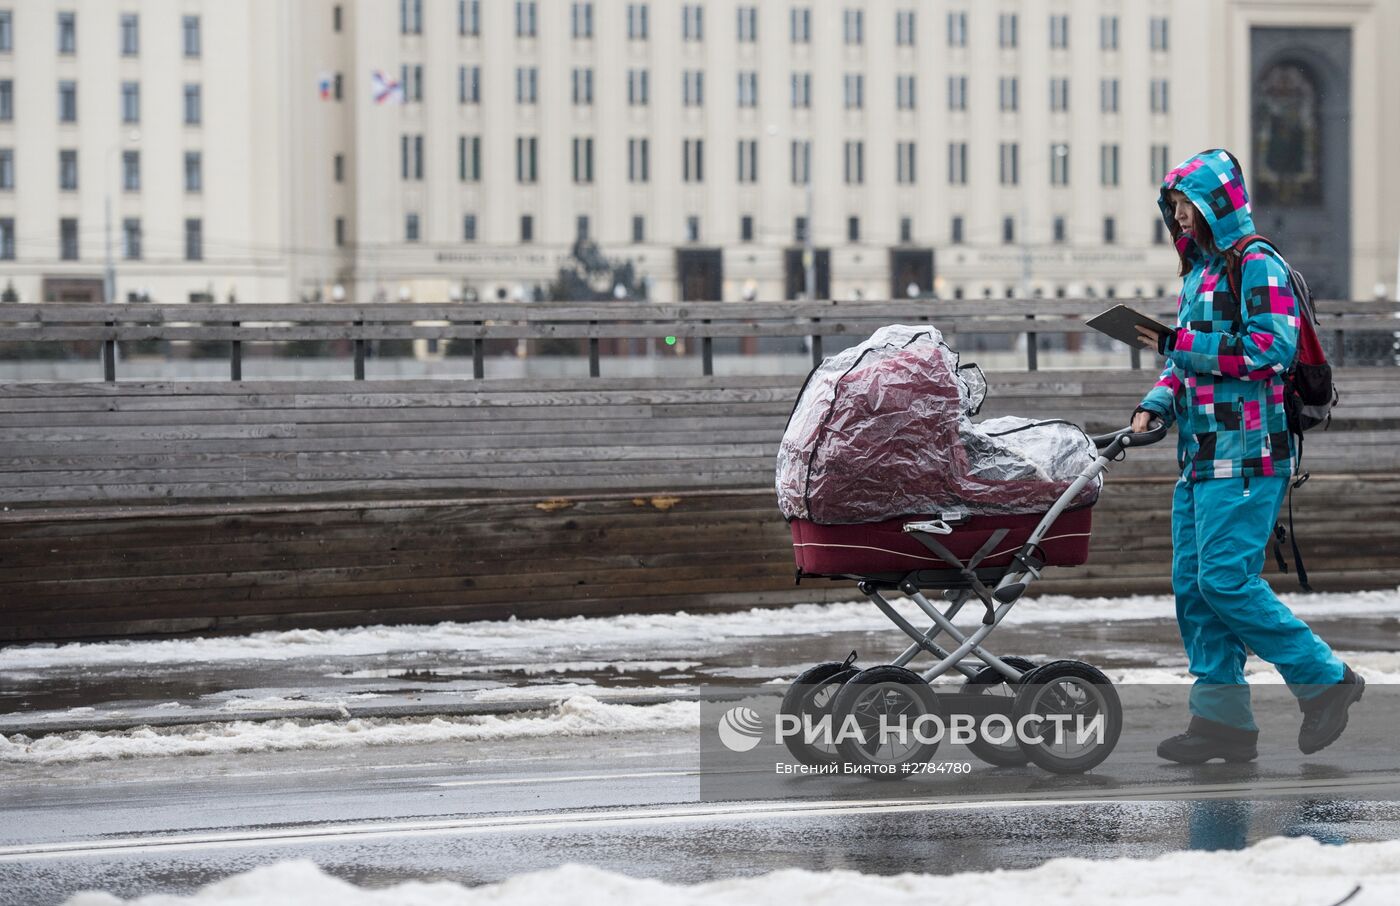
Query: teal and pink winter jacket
{"x": 1223, "y": 384}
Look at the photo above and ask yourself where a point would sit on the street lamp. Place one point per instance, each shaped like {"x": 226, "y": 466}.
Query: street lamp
{"x": 109, "y": 282}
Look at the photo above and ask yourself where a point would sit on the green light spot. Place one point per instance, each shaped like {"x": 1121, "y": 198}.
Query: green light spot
{"x": 670, "y": 341}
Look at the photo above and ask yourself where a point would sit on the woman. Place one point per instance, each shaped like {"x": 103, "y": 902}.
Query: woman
{"x": 1223, "y": 386}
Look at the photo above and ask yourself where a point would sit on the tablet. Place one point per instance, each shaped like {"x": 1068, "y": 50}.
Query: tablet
{"x": 1122, "y": 322}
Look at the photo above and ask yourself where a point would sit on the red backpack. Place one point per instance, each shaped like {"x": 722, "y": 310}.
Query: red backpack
{"x": 1309, "y": 395}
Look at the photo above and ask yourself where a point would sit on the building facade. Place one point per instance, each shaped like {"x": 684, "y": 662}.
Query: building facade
{"x": 262, "y": 150}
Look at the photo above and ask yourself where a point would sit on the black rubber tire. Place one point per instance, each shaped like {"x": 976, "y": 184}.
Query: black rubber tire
{"x": 887, "y": 690}
{"x": 1008, "y": 754}
{"x": 819, "y": 683}
{"x": 1049, "y": 689}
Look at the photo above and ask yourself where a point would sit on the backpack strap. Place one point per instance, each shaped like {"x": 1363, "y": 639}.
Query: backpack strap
{"x": 1234, "y": 261}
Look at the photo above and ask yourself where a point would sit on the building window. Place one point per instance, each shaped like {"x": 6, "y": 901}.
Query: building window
{"x": 469, "y": 228}
{"x": 748, "y": 89}
{"x": 1108, "y": 165}
{"x": 583, "y": 160}
{"x": 693, "y": 88}
{"x": 1058, "y": 229}
{"x": 637, "y": 21}
{"x": 581, "y": 228}
{"x": 957, "y": 231}
{"x": 340, "y": 232}
{"x": 957, "y": 92}
{"x": 581, "y": 20}
{"x": 693, "y": 160}
{"x": 853, "y": 229}
{"x": 411, "y": 157}
{"x": 527, "y": 228}
{"x": 692, "y": 22}
{"x": 194, "y": 239}
{"x": 904, "y": 92}
{"x": 853, "y": 26}
{"x": 1008, "y": 230}
{"x": 639, "y": 231}
{"x": 337, "y": 17}
{"x": 526, "y": 16}
{"x": 469, "y": 158}
{"x": 1159, "y": 232}
{"x": 1059, "y": 32}
{"x": 906, "y": 229}
{"x": 67, "y": 102}
{"x": 1059, "y": 95}
{"x": 957, "y": 29}
{"x": 1009, "y": 92}
{"x": 904, "y": 27}
{"x": 855, "y": 163}
{"x": 1108, "y": 95}
{"x": 410, "y": 17}
{"x": 189, "y": 31}
{"x": 194, "y": 111}
{"x": 638, "y": 160}
{"x": 131, "y": 102}
{"x": 526, "y": 159}
{"x": 692, "y": 229}
{"x": 131, "y": 239}
{"x": 411, "y": 82}
{"x": 67, "y": 33}
{"x": 1010, "y": 164}
{"x": 7, "y": 33}
{"x": 801, "y": 90}
{"x": 1108, "y": 231}
{"x": 7, "y": 169}
{"x": 68, "y": 239}
{"x": 1108, "y": 32}
{"x": 338, "y": 167}
{"x": 801, "y": 19}
{"x": 799, "y": 230}
{"x": 583, "y": 87}
{"x": 1059, "y": 164}
{"x": 1158, "y": 33}
{"x": 746, "y": 228}
{"x": 854, "y": 91}
{"x": 748, "y": 24}
{"x": 339, "y": 87}
{"x": 194, "y": 172}
{"x": 527, "y": 84}
{"x": 1159, "y": 96}
{"x": 1161, "y": 163}
{"x": 1006, "y": 30}
{"x": 638, "y": 91}
{"x": 748, "y": 160}
{"x": 904, "y": 163}
{"x": 7, "y": 100}
{"x": 410, "y": 228}
{"x": 131, "y": 171}
{"x": 957, "y": 163}
{"x": 131, "y": 35}
{"x": 68, "y": 171}
{"x": 7, "y": 239}
{"x": 469, "y": 84}
{"x": 801, "y": 162}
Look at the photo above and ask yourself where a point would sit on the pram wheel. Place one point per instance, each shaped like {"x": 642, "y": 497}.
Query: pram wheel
{"x": 988, "y": 681}
{"x": 894, "y": 697}
{"x": 811, "y": 695}
{"x": 1079, "y": 716}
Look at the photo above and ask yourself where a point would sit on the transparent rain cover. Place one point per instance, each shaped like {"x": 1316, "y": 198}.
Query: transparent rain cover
{"x": 884, "y": 429}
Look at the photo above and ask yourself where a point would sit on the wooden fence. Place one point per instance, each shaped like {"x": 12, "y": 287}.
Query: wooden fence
{"x": 135, "y": 507}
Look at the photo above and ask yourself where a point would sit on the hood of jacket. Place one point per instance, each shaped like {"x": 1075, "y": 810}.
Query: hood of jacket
{"x": 1214, "y": 182}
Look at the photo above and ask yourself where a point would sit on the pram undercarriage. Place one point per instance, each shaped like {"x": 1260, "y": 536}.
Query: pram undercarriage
{"x": 1064, "y": 715}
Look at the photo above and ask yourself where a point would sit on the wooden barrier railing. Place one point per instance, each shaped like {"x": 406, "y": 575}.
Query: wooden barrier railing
{"x": 702, "y": 321}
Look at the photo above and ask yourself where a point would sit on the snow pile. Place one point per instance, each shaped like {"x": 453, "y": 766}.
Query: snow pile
{"x": 577, "y": 716}
{"x": 628, "y": 632}
{"x": 1278, "y": 871}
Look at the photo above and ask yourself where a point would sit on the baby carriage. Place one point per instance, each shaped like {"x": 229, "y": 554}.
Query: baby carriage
{"x": 885, "y": 481}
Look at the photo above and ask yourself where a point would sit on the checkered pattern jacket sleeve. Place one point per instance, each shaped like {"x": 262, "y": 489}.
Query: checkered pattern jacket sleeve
{"x": 1265, "y": 340}
{"x": 1162, "y": 398}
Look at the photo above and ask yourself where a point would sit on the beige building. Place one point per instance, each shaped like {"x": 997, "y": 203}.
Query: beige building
{"x": 968, "y": 149}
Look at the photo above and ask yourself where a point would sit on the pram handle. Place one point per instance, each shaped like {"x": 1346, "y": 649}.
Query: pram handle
{"x": 1112, "y": 444}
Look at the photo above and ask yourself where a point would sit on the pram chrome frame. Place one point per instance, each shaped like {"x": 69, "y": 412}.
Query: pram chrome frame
{"x": 1010, "y": 582}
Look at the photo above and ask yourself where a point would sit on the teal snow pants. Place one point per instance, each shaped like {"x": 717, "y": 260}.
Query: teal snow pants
{"x": 1225, "y": 608}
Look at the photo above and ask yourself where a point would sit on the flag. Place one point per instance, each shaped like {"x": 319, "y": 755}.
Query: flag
{"x": 323, "y": 85}
{"x": 385, "y": 90}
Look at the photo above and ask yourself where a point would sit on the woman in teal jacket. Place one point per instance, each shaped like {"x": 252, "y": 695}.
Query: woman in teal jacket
{"x": 1223, "y": 387}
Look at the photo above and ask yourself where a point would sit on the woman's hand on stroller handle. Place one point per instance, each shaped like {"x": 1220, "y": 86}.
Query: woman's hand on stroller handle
{"x": 1146, "y": 428}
